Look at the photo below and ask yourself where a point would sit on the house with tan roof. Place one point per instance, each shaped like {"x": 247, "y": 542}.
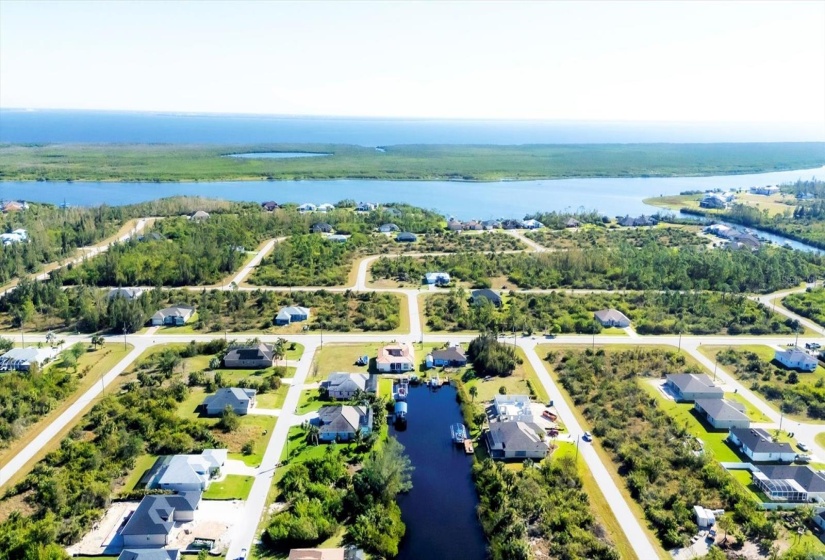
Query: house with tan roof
{"x": 396, "y": 358}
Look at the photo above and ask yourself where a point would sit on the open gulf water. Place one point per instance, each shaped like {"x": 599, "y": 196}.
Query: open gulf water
{"x": 440, "y": 510}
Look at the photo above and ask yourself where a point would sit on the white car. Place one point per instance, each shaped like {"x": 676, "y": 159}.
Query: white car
{"x": 802, "y": 446}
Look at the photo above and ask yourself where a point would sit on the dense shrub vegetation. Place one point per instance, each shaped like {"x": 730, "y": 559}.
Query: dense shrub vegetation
{"x": 810, "y": 304}
{"x": 544, "y": 503}
{"x": 590, "y": 237}
{"x": 491, "y": 357}
{"x": 795, "y": 393}
{"x": 651, "y": 313}
{"x": 655, "y": 456}
{"x": 322, "y": 497}
{"x": 651, "y": 267}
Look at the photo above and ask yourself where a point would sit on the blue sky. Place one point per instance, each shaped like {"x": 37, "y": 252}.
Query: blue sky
{"x": 663, "y": 61}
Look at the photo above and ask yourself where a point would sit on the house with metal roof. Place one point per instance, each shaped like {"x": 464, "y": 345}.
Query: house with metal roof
{"x": 612, "y": 318}
{"x": 342, "y": 422}
{"x": 795, "y": 358}
{"x": 291, "y": 314}
{"x": 186, "y": 473}
{"x": 759, "y": 446}
{"x": 258, "y": 357}
{"x": 788, "y": 483}
{"x": 174, "y": 316}
{"x": 516, "y": 440}
{"x": 21, "y": 359}
{"x": 346, "y": 385}
{"x": 688, "y": 387}
{"x": 200, "y": 215}
{"x": 512, "y": 408}
{"x": 152, "y": 522}
{"x": 239, "y": 400}
{"x": 452, "y": 356}
{"x": 388, "y": 228}
{"x": 722, "y": 414}
{"x": 406, "y": 237}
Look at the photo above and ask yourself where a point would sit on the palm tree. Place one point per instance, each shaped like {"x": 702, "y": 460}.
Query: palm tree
{"x": 474, "y": 392}
{"x": 313, "y": 432}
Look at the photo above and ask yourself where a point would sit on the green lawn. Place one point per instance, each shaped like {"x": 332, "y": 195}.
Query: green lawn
{"x": 820, "y": 439}
{"x": 751, "y": 411}
{"x": 682, "y": 413}
{"x": 515, "y": 384}
{"x": 143, "y": 464}
{"x": 273, "y": 399}
{"x": 744, "y": 477}
{"x": 232, "y": 487}
{"x": 310, "y": 401}
{"x": 385, "y": 387}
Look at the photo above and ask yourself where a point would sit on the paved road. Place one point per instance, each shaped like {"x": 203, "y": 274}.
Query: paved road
{"x": 256, "y": 260}
{"x": 244, "y": 532}
{"x": 639, "y": 540}
{"x": 33, "y": 448}
{"x": 767, "y": 300}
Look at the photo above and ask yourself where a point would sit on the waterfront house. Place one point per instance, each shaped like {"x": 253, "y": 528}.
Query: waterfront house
{"x": 291, "y": 314}
{"x": 516, "y": 440}
{"x": 149, "y": 554}
{"x": 321, "y": 227}
{"x": 721, "y": 230}
{"x": 452, "y": 356}
{"x": 325, "y": 207}
{"x": 125, "y": 293}
{"x": 345, "y": 386}
{"x": 365, "y": 207}
{"x": 759, "y": 446}
{"x": 21, "y": 359}
{"x": 349, "y": 553}
{"x": 16, "y": 236}
{"x": 766, "y": 190}
{"x": 15, "y": 205}
{"x": 612, "y": 318}
{"x": 713, "y": 201}
{"x": 343, "y": 422}
{"x": 406, "y": 237}
{"x": 744, "y": 241}
{"x": 239, "y": 400}
{"x": 269, "y": 205}
{"x": 176, "y": 315}
{"x": 532, "y": 224}
{"x": 688, "y": 387}
{"x": 257, "y": 357}
{"x": 795, "y": 358}
{"x": 200, "y": 215}
{"x": 722, "y": 414}
{"x": 437, "y": 278}
{"x": 787, "y": 483}
{"x": 186, "y": 473}
{"x": 395, "y": 358}
{"x": 388, "y": 228}
{"x": 156, "y": 516}
{"x": 479, "y": 296}
{"x": 512, "y": 408}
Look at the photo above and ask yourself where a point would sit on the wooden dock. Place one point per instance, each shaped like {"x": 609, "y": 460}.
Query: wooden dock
{"x": 468, "y": 447}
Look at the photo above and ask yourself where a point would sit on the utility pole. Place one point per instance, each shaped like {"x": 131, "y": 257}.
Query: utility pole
{"x": 577, "y": 447}
{"x": 680, "y": 341}
{"x": 124, "y": 338}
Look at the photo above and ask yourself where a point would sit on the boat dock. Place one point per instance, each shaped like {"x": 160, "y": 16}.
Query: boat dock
{"x": 468, "y": 447}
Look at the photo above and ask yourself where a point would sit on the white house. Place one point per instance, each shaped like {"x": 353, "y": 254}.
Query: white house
{"x": 512, "y": 408}
{"x": 307, "y": 207}
{"x": 722, "y": 414}
{"x": 187, "y": 473}
{"x": 612, "y": 318}
{"x": 16, "y": 236}
{"x": 396, "y": 358}
{"x": 532, "y": 224}
{"x": 437, "y": 278}
{"x": 767, "y": 190}
{"x": 788, "y": 483}
{"x": 127, "y": 293}
{"x": 21, "y": 359}
{"x": 794, "y": 358}
{"x": 325, "y": 207}
{"x": 704, "y": 517}
{"x": 758, "y": 445}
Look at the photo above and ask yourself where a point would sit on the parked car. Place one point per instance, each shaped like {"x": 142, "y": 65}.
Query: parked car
{"x": 802, "y": 446}
{"x": 549, "y": 415}
{"x": 813, "y": 345}
{"x": 803, "y": 459}
{"x": 587, "y": 437}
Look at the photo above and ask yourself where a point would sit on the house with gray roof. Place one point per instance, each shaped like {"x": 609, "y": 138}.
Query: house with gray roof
{"x": 346, "y": 385}
{"x": 787, "y": 483}
{"x": 342, "y": 422}
{"x": 200, "y": 215}
{"x": 722, "y": 414}
{"x": 125, "y": 293}
{"x": 239, "y": 400}
{"x": 291, "y": 314}
{"x": 688, "y": 387}
{"x": 794, "y": 358}
{"x": 406, "y": 237}
{"x": 257, "y": 357}
{"x": 516, "y": 440}
{"x": 452, "y": 356}
{"x": 759, "y": 446}
{"x": 479, "y": 296}
{"x": 155, "y": 517}
{"x": 612, "y": 318}
{"x": 175, "y": 316}
{"x": 186, "y": 473}
{"x": 149, "y": 554}
{"x": 388, "y": 228}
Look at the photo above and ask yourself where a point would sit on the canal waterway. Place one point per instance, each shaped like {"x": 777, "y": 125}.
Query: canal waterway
{"x": 440, "y": 510}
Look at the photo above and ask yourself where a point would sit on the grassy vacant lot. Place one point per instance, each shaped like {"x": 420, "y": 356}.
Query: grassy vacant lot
{"x": 206, "y": 163}
{"x": 232, "y": 487}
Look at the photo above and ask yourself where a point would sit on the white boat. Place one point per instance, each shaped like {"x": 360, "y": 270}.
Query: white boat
{"x": 435, "y": 382}
{"x": 459, "y": 433}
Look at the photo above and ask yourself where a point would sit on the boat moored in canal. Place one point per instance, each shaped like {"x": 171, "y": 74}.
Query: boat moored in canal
{"x": 400, "y": 413}
{"x": 459, "y": 433}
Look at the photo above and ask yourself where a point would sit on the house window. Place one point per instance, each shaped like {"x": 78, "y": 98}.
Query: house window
{"x": 521, "y": 454}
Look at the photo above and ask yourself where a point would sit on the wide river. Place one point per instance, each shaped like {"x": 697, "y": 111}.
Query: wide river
{"x": 613, "y": 197}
